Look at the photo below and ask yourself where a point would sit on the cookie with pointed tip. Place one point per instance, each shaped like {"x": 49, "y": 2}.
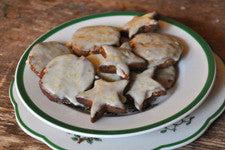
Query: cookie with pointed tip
{"x": 141, "y": 24}
{"x": 126, "y": 45}
{"x": 117, "y": 60}
{"x": 91, "y": 38}
{"x": 159, "y": 50}
{"x": 96, "y": 60}
{"x": 44, "y": 52}
{"x": 144, "y": 87}
{"x": 166, "y": 76}
{"x": 105, "y": 96}
{"x": 65, "y": 76}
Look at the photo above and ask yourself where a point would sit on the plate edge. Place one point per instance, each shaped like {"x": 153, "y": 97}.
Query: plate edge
{"x": 125, "y": 131}
{"x": 177, "y": 144}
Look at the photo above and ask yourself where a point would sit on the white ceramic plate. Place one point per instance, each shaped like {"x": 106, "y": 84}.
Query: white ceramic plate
{"x": 179, "y": 134}
{"x": 196, "y": 76}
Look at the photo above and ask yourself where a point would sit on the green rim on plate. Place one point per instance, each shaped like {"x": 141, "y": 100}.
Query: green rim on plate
{"x": 39, "y": 112}
{"x": 202, "y": 128}
{"x": 23, "y": 124}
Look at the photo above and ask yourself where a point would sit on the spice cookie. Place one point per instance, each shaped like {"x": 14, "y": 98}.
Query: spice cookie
{"x": 109, "y": 76}
{"x": 143, "y": 87}
{"x": 166, "y": 76}
{"x": 96, "y": 60}
{"x": 141, "y": 24}
{"x": 116, "y": 60}
{"x": 91, "y": 38}
{"x": 105, "y": 96}
{"x": 158, "y": 49}
{"x": 42, "y": 53}
{"x": 65, "y": 76}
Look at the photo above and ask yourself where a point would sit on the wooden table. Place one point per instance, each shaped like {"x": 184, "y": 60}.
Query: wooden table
{"x": 22, "y": 21}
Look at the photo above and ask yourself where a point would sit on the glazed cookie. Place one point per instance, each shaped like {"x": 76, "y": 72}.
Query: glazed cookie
{"x": 142, "y": 24}
{"x": 105, "y": 96}
{"x": 109, "y": 76}
{"x": 143, "y": 87}
{"x": 42, "y": 53}
{"x": 91, "y": 38}
{"x": 96, "y": 60}
{"x": 158, "y": 49}
{"x": 166, "y": 76}
{"x": 65, "y": 76}
{"x": 116, "y": 60}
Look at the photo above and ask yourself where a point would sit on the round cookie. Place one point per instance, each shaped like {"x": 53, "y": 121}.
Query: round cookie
{"x": 158, "y": 49}
{"x": 91, "y": 38}
{"x": 65, "y": 76}
{"x": 42, "y": 53}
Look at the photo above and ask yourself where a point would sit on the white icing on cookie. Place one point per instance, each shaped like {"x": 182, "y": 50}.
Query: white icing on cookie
{"x": 156, "y": 48}
{"x": 105, "y": 93}
{"x": 143, "y": 86}
{"x": 109, "y": 76}
{"x": 97, "y": 60}
{"x": 118, "y": 57}
{"x": 166, "y": 76}
{"x": 87, "y": 38}
{"x": 42, "y": 53}
{"x": 137, "y": 22}
{"x": 67, "y": 75}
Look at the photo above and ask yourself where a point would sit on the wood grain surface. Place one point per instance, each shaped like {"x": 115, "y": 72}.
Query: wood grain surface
{"x": 22, "y": 21}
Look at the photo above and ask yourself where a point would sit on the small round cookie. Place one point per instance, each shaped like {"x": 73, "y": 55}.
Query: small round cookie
{"x": 42, "y": 53}
{"x": 166, "y": 76}
{"x": 141, "y": 24}
{"x": 158, "y": 49}
{"x": 91, "y": 38}
{"x": 65, "y": 76}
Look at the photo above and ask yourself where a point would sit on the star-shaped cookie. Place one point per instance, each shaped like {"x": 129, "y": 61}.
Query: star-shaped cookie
{"x": 117, "y": 60}
{"x": 144, "y": 87}
{"x": 105, "y": 96}
{"x": 141, "y": 24}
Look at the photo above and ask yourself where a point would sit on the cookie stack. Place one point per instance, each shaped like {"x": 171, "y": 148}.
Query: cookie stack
{"x": 104, "y": 67}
